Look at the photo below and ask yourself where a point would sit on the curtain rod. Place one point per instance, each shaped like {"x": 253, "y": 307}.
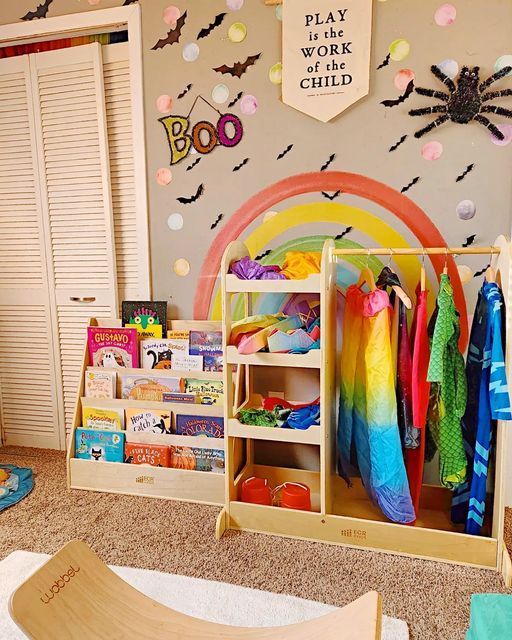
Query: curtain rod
{"x": 417, "y": 251}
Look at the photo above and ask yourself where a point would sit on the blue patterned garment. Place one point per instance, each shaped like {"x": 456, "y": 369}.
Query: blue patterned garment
{"x": 493, "y": 403}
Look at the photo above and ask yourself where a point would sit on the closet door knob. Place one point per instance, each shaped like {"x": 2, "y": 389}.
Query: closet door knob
{"x": 90, "y": 299}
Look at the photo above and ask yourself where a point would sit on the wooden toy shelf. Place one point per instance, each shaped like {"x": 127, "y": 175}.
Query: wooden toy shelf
{"x": 143, "y": 480}
{"x": 340, "y": 515}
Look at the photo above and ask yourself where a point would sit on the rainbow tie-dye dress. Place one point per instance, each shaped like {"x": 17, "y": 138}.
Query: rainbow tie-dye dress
{"x": 368, "y": 434}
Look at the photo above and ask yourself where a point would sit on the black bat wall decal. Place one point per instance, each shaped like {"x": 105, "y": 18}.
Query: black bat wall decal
{"x": 283, "y": 153}
{"x": 127, "y": 2}
{"x": 219, "y": 218}
{"x": 193, "y": 198}
{"x": 329, "y": 196}
{"x": 185, "y": 91}
{"x": 236, "y": 99}
{"x": 343, "y": 233}
{"x": 331, "y": 159}
{"x": 40, "y": 12}
{"x": 467, "y": 170}
{"x": 263, "y": 255}
{"x": 173, "y": 35}
{"x": 242, "y": 164}
{"x": 385, "y": 62}
{"x": 410, "y": 185}
{"x": 191, "y": 166}
{"x": 395, "y": 146}
{"x": 213, "y": 25}
{"x": 393, "y": 103}
{"x": 469, "y": 240}
{"x": 239, "y": 68}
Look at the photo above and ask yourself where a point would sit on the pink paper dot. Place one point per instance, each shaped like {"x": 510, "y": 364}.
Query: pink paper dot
{"x": 170, "y": 15}
{"x": 506, "y": 130}
{"x": 248, "y": 105}
{"x": 445, "y": 15}
{"x": 164, "y": 103}
{"x": 402, "y": 79}
{"x": 432, "y": 150}
{"x": 163, "y": 176}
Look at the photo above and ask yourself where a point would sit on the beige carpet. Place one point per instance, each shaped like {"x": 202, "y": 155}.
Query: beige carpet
{"x": 178, "y": 538}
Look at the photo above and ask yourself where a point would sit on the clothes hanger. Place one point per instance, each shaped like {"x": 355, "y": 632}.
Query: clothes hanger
{"x": 490, "y": 274}
{"x": 423, "y": 277}
{"x": 445, "y": 268}
{"x": 366, "y": 276}
{"x": 399, "y": 291}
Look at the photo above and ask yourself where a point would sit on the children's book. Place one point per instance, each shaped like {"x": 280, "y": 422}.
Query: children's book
{"x": 210, "y": 426}
{"x": 196, "y": 385}
{"x": 155, "y": 455}
{"x": 184, "y": 362}
{"x": 197, "y": 459}
{"x": 112, "y": 348}
{"x": 149, "y": 387}
{"x": 148, "y": 420}
{"x": 102, "y": 446}
{"x": 109, "y": 419}
{"x": 185, "y": 398}
{"x": 212, "y": 363}
{"x": 156, "y": 354}
{"x": 210, "y": 399}
{"x": 100, "y": 384}
{"x": 178, "y": 341}
{"x": 148, "y": 318}
{"x": 205, "y": 343}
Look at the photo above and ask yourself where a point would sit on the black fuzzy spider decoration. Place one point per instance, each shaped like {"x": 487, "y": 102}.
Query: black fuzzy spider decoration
{"x": 465, "y": 101}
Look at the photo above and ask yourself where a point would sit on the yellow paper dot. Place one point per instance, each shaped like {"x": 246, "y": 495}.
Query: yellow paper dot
{"x": 275, "y": 73}
{"x": 399, "y": 50}
{"x": 181, "y": 267}
{"x": 237, "y": 32}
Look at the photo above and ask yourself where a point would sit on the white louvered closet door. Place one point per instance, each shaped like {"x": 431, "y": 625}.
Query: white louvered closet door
{"x": 69, "y": 104}
{"x": 129, "y": 228}
{"x": 28, "y": 397}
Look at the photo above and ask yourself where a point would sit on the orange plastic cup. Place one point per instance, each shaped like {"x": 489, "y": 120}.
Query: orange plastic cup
{"x": 294, "y": 495}
{"x": 257, "y": 491}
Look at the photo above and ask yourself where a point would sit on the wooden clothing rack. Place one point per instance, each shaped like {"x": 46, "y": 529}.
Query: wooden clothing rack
{"x": 339, "y": 515}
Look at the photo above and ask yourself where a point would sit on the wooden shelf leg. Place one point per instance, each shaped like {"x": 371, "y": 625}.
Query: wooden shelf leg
{"x": 220, "y": 525}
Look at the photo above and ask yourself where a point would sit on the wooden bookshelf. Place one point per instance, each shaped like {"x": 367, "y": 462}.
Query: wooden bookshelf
{"x": 144, "y": 480}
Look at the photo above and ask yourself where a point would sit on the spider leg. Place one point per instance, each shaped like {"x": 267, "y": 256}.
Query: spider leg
{"x": 443, "y": 77}
{"x": 494, "y": 78}
{"x": 500, "y": 111}
{"x": 436, "y": 123}
{"x": 496, "y": 94}
{"x": 492, "y": 127}
{"x": 431, "y": 93}
{"x": 438, "y": 108}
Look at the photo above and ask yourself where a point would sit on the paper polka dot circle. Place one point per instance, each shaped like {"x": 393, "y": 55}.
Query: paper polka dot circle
{"x": 275, "y": 73}
{"x": 466, "y": 209}
{"x": 237, "y": 32}
{"x": 399, "y": 50}
{"x": 402, "y": 79}
{"x": 171, "y": 15}
{"x": 502, "y": 62}
{"x": 220, "y": 93}
{"x": 163, "y": 176}
{"x": 175, "y": 222}
{"x": 432, "y": 150}
{"x": 164, "y": 103}
{"x": 181, "y": 267}
{"x": 449, "y": 67}
{"x": 445, "y": 15}
{"x": 248, "y": 105}
{"x": 506, "y": 130}
{"x": 269, "y": 214}
{"x": 190, "y": 52}
{"x": 234, "y": 5}
{"x": 465, "y": 273}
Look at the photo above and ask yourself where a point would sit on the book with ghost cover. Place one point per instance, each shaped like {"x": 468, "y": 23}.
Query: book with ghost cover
{"x": 112, "y": 347}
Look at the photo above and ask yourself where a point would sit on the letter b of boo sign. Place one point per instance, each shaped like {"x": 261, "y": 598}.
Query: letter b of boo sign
{"x": 326, "y": 55}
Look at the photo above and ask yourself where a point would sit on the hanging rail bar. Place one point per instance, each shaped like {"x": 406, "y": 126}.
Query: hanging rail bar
{"x": 417, "y": 251}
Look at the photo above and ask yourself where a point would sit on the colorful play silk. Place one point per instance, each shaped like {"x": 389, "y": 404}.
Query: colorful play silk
{"x": 448, "y": 389}
{"x": 368, "y": 413}
{"x": 414, "y": 458}
{"x": 300, "y": 264}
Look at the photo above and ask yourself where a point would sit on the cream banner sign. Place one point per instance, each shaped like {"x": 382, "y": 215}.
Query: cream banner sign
{"x": 326, "y": 55}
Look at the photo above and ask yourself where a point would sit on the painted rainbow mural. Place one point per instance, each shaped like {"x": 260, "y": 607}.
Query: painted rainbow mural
{"x": 207, "y": 303}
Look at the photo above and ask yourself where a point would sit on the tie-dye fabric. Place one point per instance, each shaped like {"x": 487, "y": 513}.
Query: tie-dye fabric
{"x": 368, "y": 413}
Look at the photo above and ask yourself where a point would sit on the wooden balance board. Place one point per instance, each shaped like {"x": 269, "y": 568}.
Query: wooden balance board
{"x": 75, "y": 596}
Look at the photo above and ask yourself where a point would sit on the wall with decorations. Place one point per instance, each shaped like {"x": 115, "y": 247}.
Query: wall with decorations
{"x": 206, "y": 58}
